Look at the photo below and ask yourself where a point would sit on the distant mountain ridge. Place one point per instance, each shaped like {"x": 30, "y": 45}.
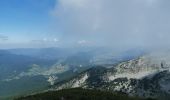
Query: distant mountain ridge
{"x": 35, "y": 69}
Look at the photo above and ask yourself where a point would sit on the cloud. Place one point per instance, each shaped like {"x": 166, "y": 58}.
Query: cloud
{"x": 55, "y": 40}
{"x": 45, "y": 40}
{"x": 82, "y": 42}
{"x": 124, "y": 23}
{"x": 3, "y": 37}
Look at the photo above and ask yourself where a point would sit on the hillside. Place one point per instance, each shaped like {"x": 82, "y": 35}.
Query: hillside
{"x": 79, "y": 94}
{"x": 147, "y": 76}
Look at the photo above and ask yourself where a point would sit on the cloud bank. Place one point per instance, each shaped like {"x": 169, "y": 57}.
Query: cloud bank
{"x": 123, "y": 23}
{"x": 3, "y": 37}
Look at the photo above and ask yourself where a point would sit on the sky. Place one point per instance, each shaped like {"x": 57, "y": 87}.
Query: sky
{"x": 24, "y": 23}
{"x": 69, "y": 23}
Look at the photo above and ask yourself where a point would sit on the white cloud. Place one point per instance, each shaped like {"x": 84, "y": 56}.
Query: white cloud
{"x": 56, "y": 40}
{"x": 45, "y": 39}
{"x": 82, "y": 42}
{"x": 114, "y": 22}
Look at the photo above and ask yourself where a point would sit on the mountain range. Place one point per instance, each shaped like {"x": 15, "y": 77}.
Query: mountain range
{"x": 25, "y": 71}
{"x": 133, "y": 72}
{"x": 146, "y": 76}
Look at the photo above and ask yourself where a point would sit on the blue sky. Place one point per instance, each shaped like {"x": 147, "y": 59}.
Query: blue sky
{"x": 111, "y": 23}
{"x": 25, "y": 20}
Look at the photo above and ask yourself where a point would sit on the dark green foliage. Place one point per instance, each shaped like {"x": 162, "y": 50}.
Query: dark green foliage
{"x": 78, "y": 94}
{"x": 95, "y": 78}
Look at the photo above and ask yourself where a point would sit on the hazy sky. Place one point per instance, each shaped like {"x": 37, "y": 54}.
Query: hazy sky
{"x": 113, "y": 23}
